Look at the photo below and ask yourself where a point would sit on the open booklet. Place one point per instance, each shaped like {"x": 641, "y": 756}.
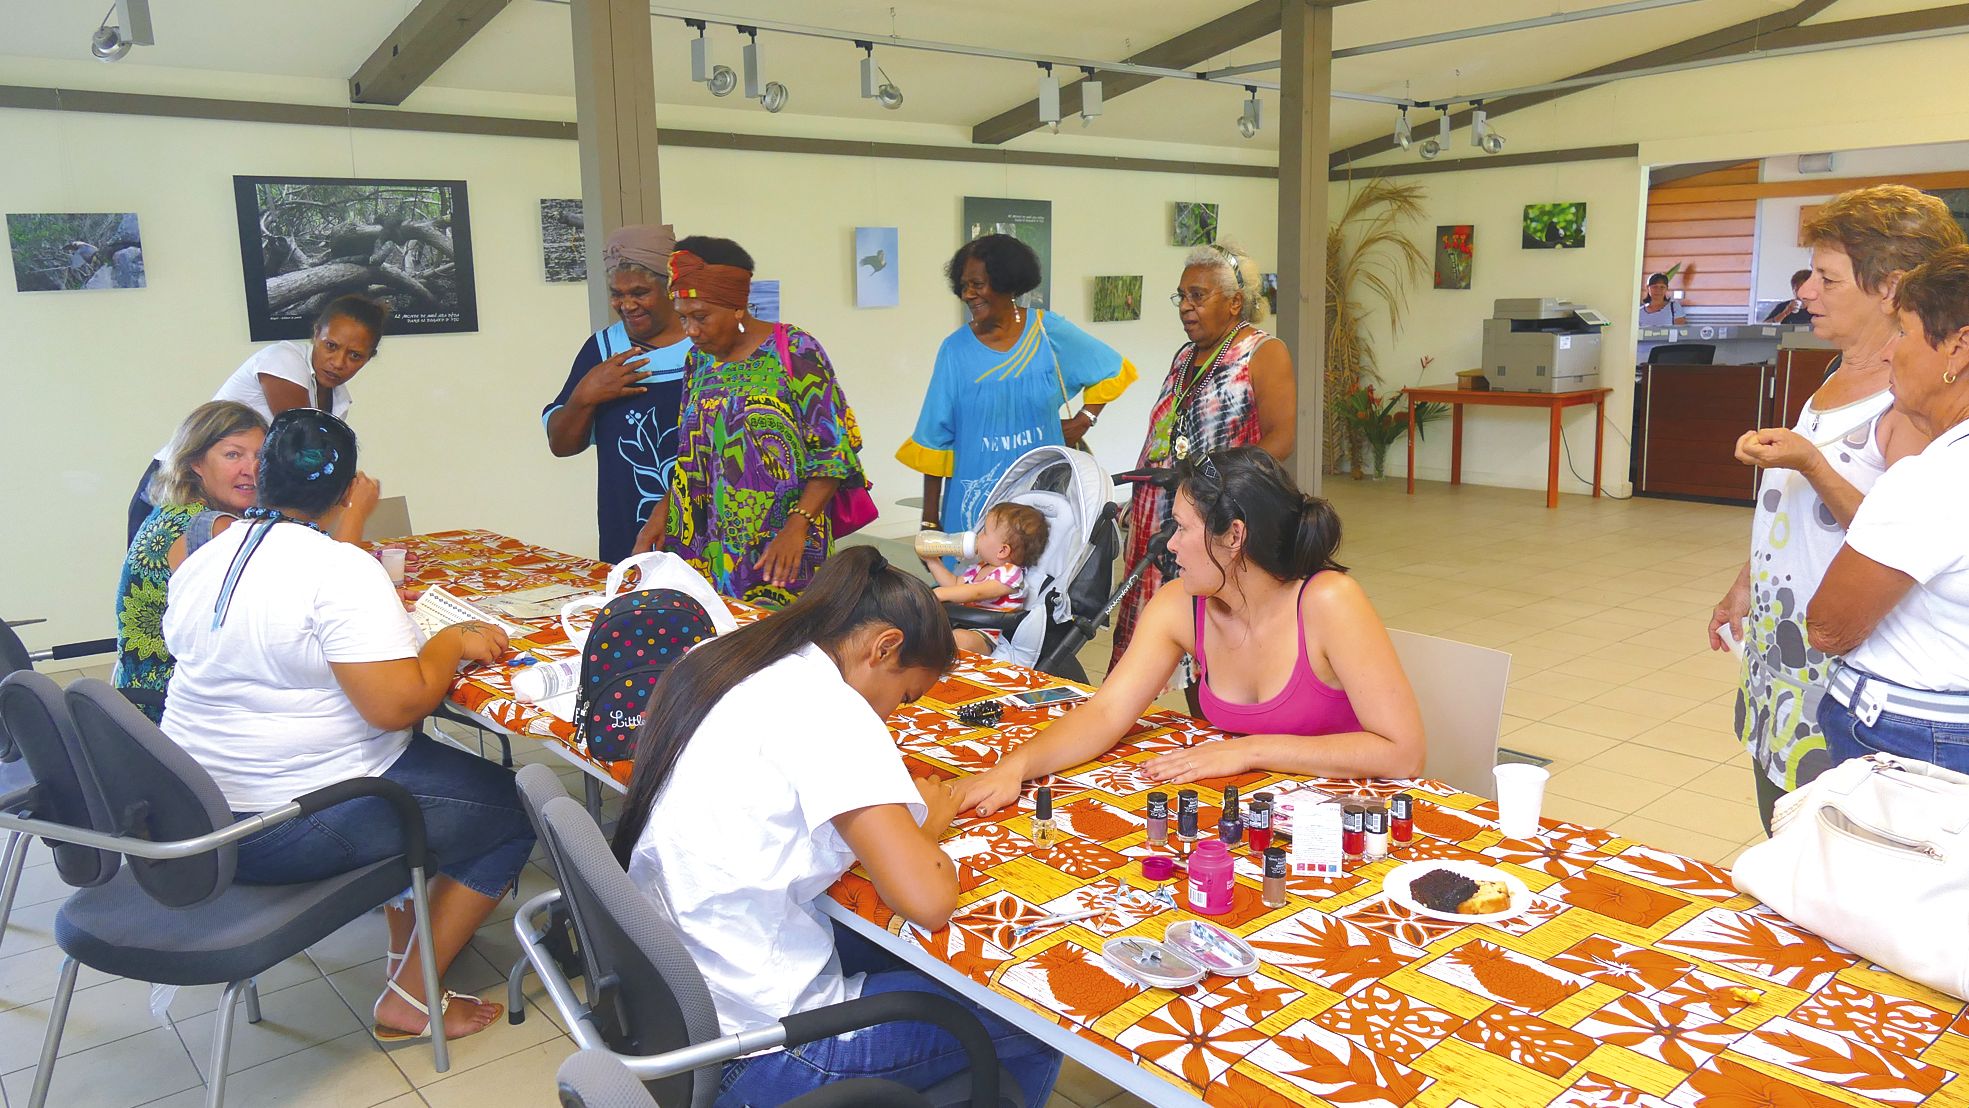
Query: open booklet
{"x": 437, "y": 609}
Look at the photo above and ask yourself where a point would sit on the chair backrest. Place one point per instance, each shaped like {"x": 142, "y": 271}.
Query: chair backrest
{"x": 1460, "y": 689}
{"x": 390, "y": 519}
{"x": 538, "y": 784}
{"x": 650, "y": 997}
{"x": 13, "y": 652}
{"x": 1683, "y": 353}
{"x": 35, "y": 717}
{"x": 153, "y": 790}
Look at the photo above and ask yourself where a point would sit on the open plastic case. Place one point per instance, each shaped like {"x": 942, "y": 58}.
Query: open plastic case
{"x": 1189, "y": 950}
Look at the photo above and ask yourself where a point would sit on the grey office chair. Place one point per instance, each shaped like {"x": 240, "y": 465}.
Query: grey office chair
{"x": 653, "y": 1011}
{"x": 174, "y": 916}
{"x": 537, "y": 785}
{"x": 597, "y": 1079}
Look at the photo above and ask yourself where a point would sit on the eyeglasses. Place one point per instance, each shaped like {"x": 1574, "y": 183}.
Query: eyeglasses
{"x": 1181, "y": 298}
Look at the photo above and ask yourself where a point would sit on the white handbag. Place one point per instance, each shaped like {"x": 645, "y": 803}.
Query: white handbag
{"x": 1874, "y": 855}
{"x": 658, "y": 569}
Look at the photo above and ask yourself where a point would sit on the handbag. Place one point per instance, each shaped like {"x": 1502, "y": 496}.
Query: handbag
{"x": 1874, "y": 856}
{"x": 849, "y": 509}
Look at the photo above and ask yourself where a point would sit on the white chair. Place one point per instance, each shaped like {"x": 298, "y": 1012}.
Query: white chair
{"x": 1460, "y": 688}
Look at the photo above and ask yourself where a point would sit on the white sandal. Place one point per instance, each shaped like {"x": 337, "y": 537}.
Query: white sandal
{"x": 398, "y": 1035}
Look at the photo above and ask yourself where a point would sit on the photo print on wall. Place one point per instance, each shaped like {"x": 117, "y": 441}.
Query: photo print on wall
{"x": 1268, "y": 288}
{"x": 1117, "y": 299}
{"x": 1555, "y": 226}
{"x": 1195, "y": 224}
{"x": 65, "y": 251}
{"x": 563, "y": 243}
{"x": 305, "y": 240}
{"x": 1029, "y": 221}
{"x": 878, "y": 268}
{"x": 1456, "y": 253}
{"x": 763, "y": 301}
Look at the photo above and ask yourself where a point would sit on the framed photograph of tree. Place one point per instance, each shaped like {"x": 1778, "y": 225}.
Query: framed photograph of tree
{"x": 305, "y": 240}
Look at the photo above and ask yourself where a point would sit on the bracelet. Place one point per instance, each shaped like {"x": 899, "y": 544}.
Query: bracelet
{"x": 928, "y": 525}
{"x": 797, "y": 510}
{"x": 1093, "y": 417}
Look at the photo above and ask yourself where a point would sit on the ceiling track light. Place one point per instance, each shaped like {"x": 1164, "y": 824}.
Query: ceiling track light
{"x": 1090, "y": 95}
{"x": 1252, "y": 117}
{"x": 1049, "y": 97}
{"x": 719, "y": 79}
{"x": 111, "y": 42}
{"x": 771, "y": 95}
{"x": 1481, "y": 136}
{"x": 1435, "y": 146}
{"x": 1404, "y": 133}
{"x": 875, "y": 83}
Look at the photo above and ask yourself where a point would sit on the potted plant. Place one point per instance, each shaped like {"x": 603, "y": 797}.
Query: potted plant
{"x": 1381, "y": 423}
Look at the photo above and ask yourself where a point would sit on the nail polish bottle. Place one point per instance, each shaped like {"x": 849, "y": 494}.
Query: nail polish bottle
{"x": 1273, "y": 894}
{"x": 1211, "y": 879}
{"x": 1230, "y": 830}
{"x": 1258, "y": 823}
{"x": 1044, "y": 833}
{"x": 1401, "y": 820}
{"x": 1231, "y": 806}
{"x": 1158, "y": 820}
{"x": 1186, "y": 817}
{"x": 1375, "y": 843}
{"x": 1353, "y": 833}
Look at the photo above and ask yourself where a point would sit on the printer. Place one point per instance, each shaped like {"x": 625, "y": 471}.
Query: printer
{"x": 1542, "y": 344}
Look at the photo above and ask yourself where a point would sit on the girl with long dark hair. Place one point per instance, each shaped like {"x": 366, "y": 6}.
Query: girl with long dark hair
{"x": 1291, "y": 658}
{"x": 765, "y": 771}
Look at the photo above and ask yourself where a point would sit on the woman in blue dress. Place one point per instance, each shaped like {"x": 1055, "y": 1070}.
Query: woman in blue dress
{"x": 999, "y": 382}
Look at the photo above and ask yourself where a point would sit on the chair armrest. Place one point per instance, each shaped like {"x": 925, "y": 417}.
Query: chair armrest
{"x": 964, "y": 615}
{"x": 920, "y": 1007}
{"x": 410, "y": 817}
{"x": 143, "y": 698}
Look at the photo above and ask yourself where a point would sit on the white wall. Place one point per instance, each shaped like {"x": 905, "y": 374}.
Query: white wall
{"x": 95, "y": 381}
{"x": 1778, "y": 252}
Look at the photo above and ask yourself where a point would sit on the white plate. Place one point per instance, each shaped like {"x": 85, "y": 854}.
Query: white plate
{"x": 1397, "y": 881}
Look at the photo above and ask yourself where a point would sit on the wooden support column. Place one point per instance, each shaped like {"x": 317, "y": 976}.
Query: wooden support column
{"x": 1305, "y": 86}
{"x": 615, "y": 116}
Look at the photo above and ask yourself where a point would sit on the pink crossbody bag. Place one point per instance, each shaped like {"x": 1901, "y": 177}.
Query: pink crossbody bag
{"x": 850, "y": 509}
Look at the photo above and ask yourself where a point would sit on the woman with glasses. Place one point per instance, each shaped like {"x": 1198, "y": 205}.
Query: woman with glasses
{"x": 999, "y": 382}
{"x": 1230, "y": 385}
{"x": 1292, "y": 661}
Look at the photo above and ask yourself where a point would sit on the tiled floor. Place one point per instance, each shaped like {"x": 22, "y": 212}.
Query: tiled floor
{"x": 1601, "y": 604}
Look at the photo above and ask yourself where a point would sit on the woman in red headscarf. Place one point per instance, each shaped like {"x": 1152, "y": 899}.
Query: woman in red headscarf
{"x": 767, "y": 436}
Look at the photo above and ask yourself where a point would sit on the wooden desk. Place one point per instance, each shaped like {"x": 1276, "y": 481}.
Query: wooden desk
{"x": 1555, "y": 402}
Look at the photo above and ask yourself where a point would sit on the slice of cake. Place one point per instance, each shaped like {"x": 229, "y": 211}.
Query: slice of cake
{"x": 1442, "y": 890}
{"x": 1491, "y": 896}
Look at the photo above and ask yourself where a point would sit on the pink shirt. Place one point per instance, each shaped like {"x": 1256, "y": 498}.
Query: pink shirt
{"x": 1012, "y": 577}
{"x": 1306, "y": 706}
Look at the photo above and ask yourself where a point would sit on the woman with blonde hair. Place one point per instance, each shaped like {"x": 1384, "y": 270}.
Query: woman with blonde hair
{"x": 1817, "y": 472}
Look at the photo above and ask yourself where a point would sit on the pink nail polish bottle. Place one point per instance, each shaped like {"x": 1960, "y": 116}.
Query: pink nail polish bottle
{"x": 1211, "y": 878}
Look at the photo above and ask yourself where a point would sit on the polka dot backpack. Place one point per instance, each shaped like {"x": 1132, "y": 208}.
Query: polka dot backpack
{"x": 636, "y": 638}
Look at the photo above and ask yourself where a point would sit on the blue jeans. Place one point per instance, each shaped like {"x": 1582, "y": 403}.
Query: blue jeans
{"x": 478, "y": 832}
{"x": 1925, "y": 740}
{"x": 918, "y": 1055}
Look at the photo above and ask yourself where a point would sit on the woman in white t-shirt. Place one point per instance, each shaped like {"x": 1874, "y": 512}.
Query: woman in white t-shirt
{"x": 297, "y": 668}
{"x": 293, "y": 374}
{"x": 764, "y": 773}
{"x": 1895, "y": 602}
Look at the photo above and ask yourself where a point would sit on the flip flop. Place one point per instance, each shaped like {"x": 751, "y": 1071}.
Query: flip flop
{"x": 398, "y": 1035}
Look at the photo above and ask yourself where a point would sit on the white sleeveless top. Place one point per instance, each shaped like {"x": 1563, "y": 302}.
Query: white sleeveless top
{"x": 1793, "y": 538}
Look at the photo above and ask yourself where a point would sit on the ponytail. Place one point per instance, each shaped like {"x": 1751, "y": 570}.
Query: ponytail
{"x": 1287, "y": 534}
{"x": 855, "y": 588}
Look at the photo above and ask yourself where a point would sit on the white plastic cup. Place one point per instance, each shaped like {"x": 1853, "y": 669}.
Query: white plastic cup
{"x": 1520, "y": 795}
{"x": 935, "y": 544}
{"x": 392, "y": 559}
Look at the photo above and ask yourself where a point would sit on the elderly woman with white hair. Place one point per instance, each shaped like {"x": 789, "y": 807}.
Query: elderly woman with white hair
{"x": 1230, "y": 385}
{"x": 625, "y": 392}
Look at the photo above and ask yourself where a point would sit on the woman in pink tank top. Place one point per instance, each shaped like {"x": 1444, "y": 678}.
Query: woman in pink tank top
{"x": 1292, "y": 661}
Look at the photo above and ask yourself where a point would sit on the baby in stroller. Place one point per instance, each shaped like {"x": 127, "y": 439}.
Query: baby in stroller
{"x": 1009, "y": 544}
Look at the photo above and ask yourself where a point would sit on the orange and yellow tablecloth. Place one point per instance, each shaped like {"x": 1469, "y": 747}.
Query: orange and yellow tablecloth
{"x": 1638, "y": 977}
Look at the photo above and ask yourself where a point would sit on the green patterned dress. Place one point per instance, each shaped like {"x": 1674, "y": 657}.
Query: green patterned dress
{"x": 141, "y": 590}
{"x": 753, "y": 433}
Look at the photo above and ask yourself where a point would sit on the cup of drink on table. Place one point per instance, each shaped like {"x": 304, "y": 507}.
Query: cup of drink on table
{"x": 1520, "y": 795}
{"x": 392, "y": 558}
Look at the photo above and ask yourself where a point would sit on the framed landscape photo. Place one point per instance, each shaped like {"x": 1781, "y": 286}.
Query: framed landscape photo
{"x": 563, "y": 242}
{"x": 304, "y": 241}
{"x": 1195, "y": 224}
{"x": 1029, "y": 221}
{"x": 1117, "y": 299}
{"x": 65, "y": 251}
{"x": 1555, "y": 226}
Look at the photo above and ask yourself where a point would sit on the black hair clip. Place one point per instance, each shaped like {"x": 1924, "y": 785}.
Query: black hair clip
{"x": 983, "y": 713}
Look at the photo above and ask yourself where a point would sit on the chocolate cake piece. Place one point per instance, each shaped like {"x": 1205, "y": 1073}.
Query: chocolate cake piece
{"x": 1442, "y": 890}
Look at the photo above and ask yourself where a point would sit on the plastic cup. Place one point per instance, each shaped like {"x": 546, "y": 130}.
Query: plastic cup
{"x": 1520, "y": 795}
{"x": 392, "y": 559}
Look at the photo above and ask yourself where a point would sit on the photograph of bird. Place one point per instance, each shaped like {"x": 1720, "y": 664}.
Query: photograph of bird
{"x": 877, "y": 261}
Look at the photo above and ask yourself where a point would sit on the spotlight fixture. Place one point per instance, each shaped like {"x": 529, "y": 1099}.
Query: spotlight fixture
{"x": 1404, "y": 134}
{"x": 875, "y": 83}
{"x": 1049, "y": 97}
{"x": 111, "y": 42}
{"x": 719, "y": 79}
{"x": 1481, "y": 136}
{"x": 1435, "y": 146}
{"x": 771, "y": 95}
{"x": 1252, "y": 118}
{"x": 1090, "y": 96}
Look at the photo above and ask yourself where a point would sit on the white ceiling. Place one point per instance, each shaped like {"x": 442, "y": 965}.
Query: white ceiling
{"x": 526, "y": 50}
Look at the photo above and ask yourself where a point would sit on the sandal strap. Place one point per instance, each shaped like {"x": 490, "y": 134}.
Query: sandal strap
{"x": 443, "y": 1005}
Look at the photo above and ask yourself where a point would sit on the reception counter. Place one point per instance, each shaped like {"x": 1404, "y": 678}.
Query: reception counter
{"x": 1687, "y": 419}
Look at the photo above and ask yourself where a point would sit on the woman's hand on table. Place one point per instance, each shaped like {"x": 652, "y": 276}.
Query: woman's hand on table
{"x": 780, "y": 560}
{"x": 480, "y": 642}
{"x": 1777, "y": 448}
{"x": 941, "y": 800}
{"x": 1219, "y": 758}
{"x": 984, "y": 793}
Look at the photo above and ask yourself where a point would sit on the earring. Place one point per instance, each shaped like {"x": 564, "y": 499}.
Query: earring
{"x": 741, "y": 326}
{"x": 1948, "y": 378}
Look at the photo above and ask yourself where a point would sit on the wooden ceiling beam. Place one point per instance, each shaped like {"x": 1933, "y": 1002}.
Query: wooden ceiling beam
{"x": 427, "y": 38}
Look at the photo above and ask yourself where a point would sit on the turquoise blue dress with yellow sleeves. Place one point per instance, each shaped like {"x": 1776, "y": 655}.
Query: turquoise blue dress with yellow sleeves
{"x": 987, "y": 407}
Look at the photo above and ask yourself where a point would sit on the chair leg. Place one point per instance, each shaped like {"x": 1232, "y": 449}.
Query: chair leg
{"x": 252, "y": 1000}
{"x": 515, "y": 994}
{"x": 11, "y": 865}
{"x": 505, "y": 750}
{"x": 420, "y": 902}
{"x": 592, "y": 793}
{"x": 215, "y": 1080}
{"x": 51, "y": 1044}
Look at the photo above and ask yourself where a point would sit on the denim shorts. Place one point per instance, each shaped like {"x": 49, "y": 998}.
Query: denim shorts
{"x": 1924, "y": 740}
{"x": 478, "y": 833}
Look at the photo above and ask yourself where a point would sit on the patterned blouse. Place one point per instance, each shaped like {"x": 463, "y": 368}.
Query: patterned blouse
{"x": 144, "y": 586}
{"x": 753, "y": 433}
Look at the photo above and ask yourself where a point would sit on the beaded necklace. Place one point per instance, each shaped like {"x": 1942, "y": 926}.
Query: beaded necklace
{"x": 1182, "y": 409}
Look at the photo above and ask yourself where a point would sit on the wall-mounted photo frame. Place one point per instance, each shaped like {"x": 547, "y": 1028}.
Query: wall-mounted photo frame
{"x": 1456, "y": 255}
{"x": 563, "y": 242}
{"x": 1555, "y": 226}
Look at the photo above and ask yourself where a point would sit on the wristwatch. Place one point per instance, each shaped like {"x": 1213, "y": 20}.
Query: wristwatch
{"x": 1093, "y": 417}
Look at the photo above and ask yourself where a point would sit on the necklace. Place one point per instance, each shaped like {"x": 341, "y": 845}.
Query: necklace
{"x": 1182, "y": 409}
